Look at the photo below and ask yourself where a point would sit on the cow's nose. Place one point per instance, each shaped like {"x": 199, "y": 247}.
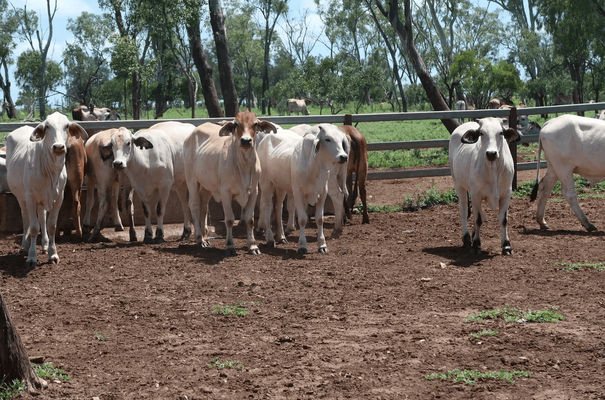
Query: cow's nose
{"x": 491, "y": 155}
{"x": 342, "y": 159}
{"x": 246, "y": 141}
{"x": 118, "y": 165}
{"x": 59, "y": 148}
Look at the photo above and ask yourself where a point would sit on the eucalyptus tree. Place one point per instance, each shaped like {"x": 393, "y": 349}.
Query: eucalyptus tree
{"x": 9, "y": 23}
{"x": 29, "y": 27}
{"x": 86, "y": 59}
{"x": 300, "y": 38}
{"x": 31, "y": 83}
{"x": 271, "y": 11}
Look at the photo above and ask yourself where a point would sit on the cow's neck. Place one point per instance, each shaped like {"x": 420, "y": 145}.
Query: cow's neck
{"x": 245, "y": 164}
{"x": 51, "y": 165}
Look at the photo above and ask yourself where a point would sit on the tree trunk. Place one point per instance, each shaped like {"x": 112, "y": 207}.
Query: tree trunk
{"x": 405, "y": 34}
{"x": 6, "y": 89}
{"x": 225, "y": 71}
{"x": 136, "y": 96}
{"x": 203, "y": 67}
{"x": 14, "y": 361}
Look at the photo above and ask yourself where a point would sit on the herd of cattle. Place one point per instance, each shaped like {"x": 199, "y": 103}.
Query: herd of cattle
{"x": 236, "y": 160}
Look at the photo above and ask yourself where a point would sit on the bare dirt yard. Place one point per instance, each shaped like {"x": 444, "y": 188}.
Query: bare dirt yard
{"x": 370, "y": 320}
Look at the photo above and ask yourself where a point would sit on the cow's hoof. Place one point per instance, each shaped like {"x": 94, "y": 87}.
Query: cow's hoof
{"x": 54, "y": 259}
{"x": 302, "y": 250}
{"x": 591, "y": 228}
{"x": 283, "y": 241}
{"x": 336, "y": 234}
{"x": 476, "y": 251}
{"x": 23, "y": 252}
{"x": 133, "y": 236}
{"x": 31, "y": 263}
{"x": 507, "y": 251}
{"x": 255, "y": 252}
{"x": 186, "y": 234}
{"x": 323, "y": 250}
{"x": 158, "y": 240}
{"x": 119, "y": 228}
{"x": 230, "y": 252}
{"x": 289, "y": 231}
{"x": 271, "y": 244}
{"x": 86, "y": 229}
{"x": 148, "y": 240}
{"x": 544, "y": 227}
{"x": 44, "y": 249}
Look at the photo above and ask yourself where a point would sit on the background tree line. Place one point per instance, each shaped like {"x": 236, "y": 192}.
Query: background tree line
{"x": 424, "y": 54}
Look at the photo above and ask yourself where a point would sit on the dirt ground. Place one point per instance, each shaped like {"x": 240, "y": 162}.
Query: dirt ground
{"x": 369, "y": 320}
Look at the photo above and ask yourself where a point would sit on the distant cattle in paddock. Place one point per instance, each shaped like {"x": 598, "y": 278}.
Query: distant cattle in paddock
{"x": 35, "y": 162}
{"x": 561, "y": 99}
{"x": 602, "y": 115}
{"x": 297, "y": 106}
{"x": 81, "y": 113}
{"x": 572, "y": 145}
{"x": 112, "y": 115}
{"x": 101, "y": 174}
{"x": 153, "y": 161}
{"x": 75, "y": 164}
{"x": 221, "y": 162}
{"x": 482, "y": 164}
{"x": 494, "y": 104}
{"x": 460, "y": 105}
{"x": 299, "y": 167}
{"x": 358, "y": 164}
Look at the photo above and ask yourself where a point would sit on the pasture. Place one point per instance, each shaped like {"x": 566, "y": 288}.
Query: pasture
{"x": 386, "y": 308}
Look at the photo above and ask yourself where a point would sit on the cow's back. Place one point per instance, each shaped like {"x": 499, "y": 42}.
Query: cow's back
{"x": 276, "y": 153}
{"x": 178, "y": 132}
{"x": 204, "y": 153}
{"x": 18, "y": 155}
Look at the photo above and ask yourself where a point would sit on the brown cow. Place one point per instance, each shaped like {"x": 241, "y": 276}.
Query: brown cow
{"x": 494, "y": 104}
{"x": 358, "y": 163}
{"x": 75, "y": 163}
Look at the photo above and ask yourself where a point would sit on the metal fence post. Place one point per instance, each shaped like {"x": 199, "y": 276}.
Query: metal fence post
{"x": 348, "y": 119}
{"x": 512, "y": 123}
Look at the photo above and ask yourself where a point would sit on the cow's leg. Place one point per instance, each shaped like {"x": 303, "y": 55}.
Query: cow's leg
{"x": 280, "y": 196}
{"x": 266, "y": 204}
{"x": 203, "y": 216}
{"x": 248, "y": 211}
{"x": 291, "y": 208}
{"x": 479, "y": 217}
{"x": 301, "y": 209}
{"x": 129, "y": 195}
{"x": 53, "y": 215}
{"x": 364, "y": 202}
{"x": 194, "y": 207}
{"x": 33, "y": 231}
{"x": 148, "y": 236}
{"x": 503, "y": 219}
{"x": 90, "y": 202}
{"x": 103, "y": 194}
{"x": 544, "y": 189}
{"x": 319, "y": 221}
{"x": 115, "y": 208}
{"x": 25, "y": 218}
{"x": 181, "y": 191}
{"x": 43, "y": 229}
{"x": 568, "y": 189}
{"x": 337, "y": 196}
{"x": 77, "y": 208}
{"x": 160, "y": 212}
{"x": 229, "y": 222}
{"x": 352, "y": 196}
{"x": 464, "y": 213}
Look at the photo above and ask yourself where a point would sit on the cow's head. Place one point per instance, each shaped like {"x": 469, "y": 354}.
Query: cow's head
{"x": 330, "y": 142}
{"x": 244, "y": 128}
{"x": 112, "y": 115}
{"x": 123, "y": 146}
{"x": 55, "y": 130}
{"x": 493, "y": 136}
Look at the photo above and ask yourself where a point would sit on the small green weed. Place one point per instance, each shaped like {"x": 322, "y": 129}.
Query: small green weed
{"x": 238, "y": 309}
{"x": 511, "y": 314}
{"x": 98, "y": 336}
{"x": 48, "y": 371}
{"x": 9, "y": 390}
{"x": 470, "y": 376}
{"x": 374, "y": 208}
{"x": 485, "y": 332}
{"x": 216, "y": 362}
{"x": 600, "y": 266}
{"x": 429, "y": 198}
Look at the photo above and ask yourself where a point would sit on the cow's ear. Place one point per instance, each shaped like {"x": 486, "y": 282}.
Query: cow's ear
{"x": 143, "y": 143}
{"x": 106, "y": 151}
{"x": 471, "y": 136}
{"x": 106, "y": 117}
{"x": 77, "y": 131}
{"x": 38, "y": 133}
{"x": 511, "y": 135}
{"x": 266, "y": 127}
{"x": 227, "y": 129}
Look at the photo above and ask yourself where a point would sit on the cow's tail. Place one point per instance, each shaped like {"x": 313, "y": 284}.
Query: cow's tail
{"x": 534, "y": 192}
{"x": 357, "y": 151}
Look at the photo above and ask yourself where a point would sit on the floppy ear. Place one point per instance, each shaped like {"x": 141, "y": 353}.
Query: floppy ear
{"x": 227, "y": 129}
{"x": 77, "y": 131}
{"x": 143, "y": 143}
{"x": 471, "y": 136}
{"x": 511, "y": 135}
{"x": 38, "y": 133}
{"x": 106, "y": 151}
{"x": 266, "y": 127}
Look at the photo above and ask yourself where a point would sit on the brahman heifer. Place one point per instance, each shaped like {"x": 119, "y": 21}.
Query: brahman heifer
{"x": 221, "y": 162}
{"x": 299, "y": 167}
{"x": 297, "y": 106}
{"x": 358, "y": 164}
{"x": 81, "y": 113}
{"x": 572, "y": 145}
{"x": 100, "y": 173}
{"x": 482, "y": 164}
{"x": 460, "y": 105}
{"x": 35, "y": 161}
{"x": 153, "y": 161}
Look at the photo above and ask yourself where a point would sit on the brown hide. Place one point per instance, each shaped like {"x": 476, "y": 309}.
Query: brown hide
{"x": 75, "y": 162}
{"x": 358, "y": 163}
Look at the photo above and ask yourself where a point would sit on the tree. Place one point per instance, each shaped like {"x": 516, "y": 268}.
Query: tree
{"x": 14, "y": 361}
{"x": 300, "y": 41}
{"x": 28, "y": 26}
{"x": 9, "y": 23}
{"x": 28, "y": 77}
{"x": 225, "y": 71}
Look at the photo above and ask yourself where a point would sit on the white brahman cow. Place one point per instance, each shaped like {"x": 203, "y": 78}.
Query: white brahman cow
{"x": 297, "y": 106}
{"x": 572, "y": 145}
{"x": 35, "y": 161}
{"x": 153, "y": 161}
{"x": 482, "y": 164}
{"x": 299, "y": 167}
{"x": 460, "y": 106}
{"x": 221, "y": 162}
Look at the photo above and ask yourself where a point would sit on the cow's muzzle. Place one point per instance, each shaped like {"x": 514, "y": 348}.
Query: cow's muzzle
{"x": 491, "y": 155}
{"x": 343, "y": 159}
{"x": 59, "y": 149}
{"x": 119, "y": 165}
{"x": 246, "y": 142}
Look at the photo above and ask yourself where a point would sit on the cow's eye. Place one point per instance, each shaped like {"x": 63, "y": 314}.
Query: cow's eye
{"x": 328, "y": 140}
{"x": 128, "y": 143}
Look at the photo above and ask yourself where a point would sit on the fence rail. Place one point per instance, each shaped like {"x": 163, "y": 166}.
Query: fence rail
{"x": 349, "y": 119}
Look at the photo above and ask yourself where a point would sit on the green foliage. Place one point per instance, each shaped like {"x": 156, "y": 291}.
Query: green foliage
{"x": 216, "y": 362}
{"x": 10, "y": 389}
{"x": 485, "y": 332}
{"x": 375, "y": 208}
{"x": 238, "y": 309}
{"x": 27, "y": 75}
{"x": 599, "y": 266}
{"x": 48, "y": 371}
{"x": 470, "y": 377}
{"x": 429, "y": 198}
{"x": 98, "y": 336}
{"x": 511, "y": 314}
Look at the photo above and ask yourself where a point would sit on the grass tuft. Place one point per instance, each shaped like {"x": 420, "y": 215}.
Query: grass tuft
{"x": 600, "y": 266}
{"x": 8, "y": 390}
{"x": 48, "y": 371}
{"x": 216, "y": 362}
{"x": 429, "y": 198}
{"x": 485, "y": 332}
{"x": 511, "y": 314}
{"x": 470, "y": 377}
{"x": 238, "y": 309}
